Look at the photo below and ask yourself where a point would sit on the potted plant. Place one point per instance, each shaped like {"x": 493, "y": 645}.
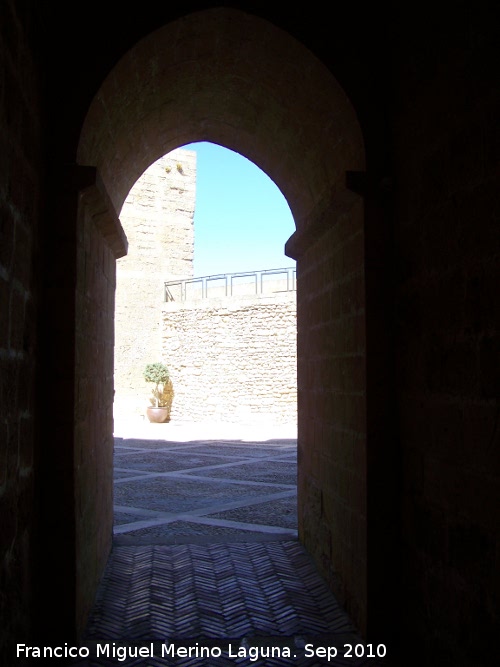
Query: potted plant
{"x": 161, "y": 401}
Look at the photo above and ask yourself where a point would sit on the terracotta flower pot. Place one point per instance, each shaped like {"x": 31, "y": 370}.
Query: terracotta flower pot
{"x": 158, "y": 415}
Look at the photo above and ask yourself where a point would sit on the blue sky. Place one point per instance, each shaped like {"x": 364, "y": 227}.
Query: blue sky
{"x": 242, "y": 220}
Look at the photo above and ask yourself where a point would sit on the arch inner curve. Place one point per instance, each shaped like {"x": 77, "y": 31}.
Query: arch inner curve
{"x": 231, "y": 78}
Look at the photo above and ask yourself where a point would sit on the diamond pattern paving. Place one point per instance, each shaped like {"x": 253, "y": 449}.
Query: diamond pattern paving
{"x": 206, "y": 569}
{"x": 201, "y": 489}
{"x": 164, "y": 494}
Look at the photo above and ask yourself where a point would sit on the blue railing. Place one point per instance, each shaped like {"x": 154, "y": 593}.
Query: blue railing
{"x": 227, "y": 284}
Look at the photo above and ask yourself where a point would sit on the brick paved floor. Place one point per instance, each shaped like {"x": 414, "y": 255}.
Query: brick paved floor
{"x": 206, "y": 556}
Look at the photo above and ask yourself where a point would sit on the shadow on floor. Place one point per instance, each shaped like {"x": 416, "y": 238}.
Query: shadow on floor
{"x": 206, "y": 567}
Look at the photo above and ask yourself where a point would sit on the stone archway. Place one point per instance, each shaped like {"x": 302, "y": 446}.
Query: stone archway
{"x": 233, "y": 79}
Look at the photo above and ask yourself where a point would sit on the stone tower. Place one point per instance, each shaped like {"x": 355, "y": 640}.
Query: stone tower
{"x": 158, "y": 219}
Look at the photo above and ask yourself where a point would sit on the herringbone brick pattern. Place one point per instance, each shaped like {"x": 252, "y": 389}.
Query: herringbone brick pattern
{"x": 206, "y": 570}
{"x": 213, "y": 591}
{"x": 219, "y": 595}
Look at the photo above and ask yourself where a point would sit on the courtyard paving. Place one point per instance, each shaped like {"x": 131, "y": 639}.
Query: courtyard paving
{"x": 201, "y": 485}
{"x": 206, "y": 567}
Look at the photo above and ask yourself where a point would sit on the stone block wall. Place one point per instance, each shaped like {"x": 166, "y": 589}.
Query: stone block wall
{"x": 75, "y": 403}
{"x": 93, "y": 409}
{"x": 158, "y": 219}
{"x": 233, "y": 359}
{"x": 332, "y": 406}
{"x": 20, "y": 182}
{"x": 448, "y": 339}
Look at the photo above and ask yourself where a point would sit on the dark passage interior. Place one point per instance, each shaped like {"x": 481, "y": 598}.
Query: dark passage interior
{"x": 381, "y": 130}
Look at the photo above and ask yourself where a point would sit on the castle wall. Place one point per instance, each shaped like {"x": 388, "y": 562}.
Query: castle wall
{"x": 158, "y": 219}
{"x": 233, "y": 359}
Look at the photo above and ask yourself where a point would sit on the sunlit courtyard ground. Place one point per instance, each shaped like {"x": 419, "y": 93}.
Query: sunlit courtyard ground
{"x": 179, "y": 483}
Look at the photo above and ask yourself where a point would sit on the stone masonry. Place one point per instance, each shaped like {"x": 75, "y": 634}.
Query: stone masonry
{"x": 233, "y": 359}
{"x": 158, "y": 219}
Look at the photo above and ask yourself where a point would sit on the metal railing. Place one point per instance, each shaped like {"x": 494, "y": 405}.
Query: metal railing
{"x": 267, "y": 281}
